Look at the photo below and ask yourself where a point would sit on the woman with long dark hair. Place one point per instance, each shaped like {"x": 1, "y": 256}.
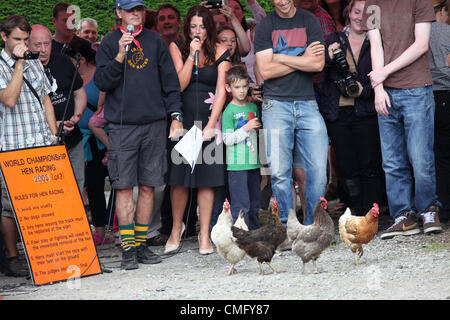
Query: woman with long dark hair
{"x": 203, "y": 95}
{"x": 227, "y": 36}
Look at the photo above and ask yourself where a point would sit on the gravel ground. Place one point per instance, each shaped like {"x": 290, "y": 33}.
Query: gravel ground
{"x": 404, "y": 268}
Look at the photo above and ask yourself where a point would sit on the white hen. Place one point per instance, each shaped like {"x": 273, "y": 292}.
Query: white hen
{"x": 223, "y": 239}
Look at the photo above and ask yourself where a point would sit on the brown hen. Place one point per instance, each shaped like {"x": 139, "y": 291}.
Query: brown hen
{"x": 356, "y": 231}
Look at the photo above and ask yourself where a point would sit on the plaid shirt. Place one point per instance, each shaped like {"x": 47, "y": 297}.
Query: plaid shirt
{"x": 328, "y": 26}
{"x": 24, "y": 125}
{"x": 326, "y": 22}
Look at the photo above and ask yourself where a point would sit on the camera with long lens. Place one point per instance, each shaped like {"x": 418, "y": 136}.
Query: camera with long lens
{"x": 347, "y": 85}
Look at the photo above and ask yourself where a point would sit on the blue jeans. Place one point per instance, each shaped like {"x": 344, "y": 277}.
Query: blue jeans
{"x": 407, "y": 138}
{"x": 288, "y": 124}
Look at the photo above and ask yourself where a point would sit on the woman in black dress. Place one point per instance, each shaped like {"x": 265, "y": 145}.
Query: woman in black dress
{"x": 203, "y": 96}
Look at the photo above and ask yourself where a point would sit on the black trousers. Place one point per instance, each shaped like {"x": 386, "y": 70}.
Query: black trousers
{"x": 95, "y": 174}
{"x": 442, "y": 150}
{"x": 356, "y": 142}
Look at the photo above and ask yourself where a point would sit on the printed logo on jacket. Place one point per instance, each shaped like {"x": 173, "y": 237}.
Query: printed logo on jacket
{"x": 137, "y": 59}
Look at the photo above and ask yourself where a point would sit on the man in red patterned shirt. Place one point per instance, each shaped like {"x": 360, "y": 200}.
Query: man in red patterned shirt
{"x": 326, "y": 22}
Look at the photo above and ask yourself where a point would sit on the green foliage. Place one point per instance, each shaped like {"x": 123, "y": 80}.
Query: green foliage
{"x": 40, "y": 12}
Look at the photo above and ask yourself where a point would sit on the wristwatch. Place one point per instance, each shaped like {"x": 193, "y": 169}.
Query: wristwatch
{"x": 177, "y": 116}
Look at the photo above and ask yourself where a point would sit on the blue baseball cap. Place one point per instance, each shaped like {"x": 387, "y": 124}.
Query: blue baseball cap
{"x": 129, "y": 4}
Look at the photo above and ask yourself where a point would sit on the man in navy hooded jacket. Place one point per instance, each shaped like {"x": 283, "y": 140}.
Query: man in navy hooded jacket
{"x": 136, "y": 71}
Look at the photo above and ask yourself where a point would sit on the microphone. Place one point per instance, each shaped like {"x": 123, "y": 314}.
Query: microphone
{"x": 196, "y": 57}
{"x": 77, "y": 58}
{"x": 130, "y": 29}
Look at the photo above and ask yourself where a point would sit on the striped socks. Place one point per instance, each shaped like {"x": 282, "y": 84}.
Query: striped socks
{"x": 127, "y": 235}
{"x": 133, "y": 235}
{"x": 140, "y": 233}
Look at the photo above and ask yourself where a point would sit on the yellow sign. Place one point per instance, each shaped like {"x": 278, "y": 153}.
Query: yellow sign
{"x": 50, "y": 213}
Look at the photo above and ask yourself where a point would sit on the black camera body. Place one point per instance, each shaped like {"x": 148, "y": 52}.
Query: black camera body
{"x": 347, "y": 85}
{"x": 31, "y": 55}
{"x": 28, "y": 55}
{"x": 259, "y": 89}
{"x": 216, "y": 4}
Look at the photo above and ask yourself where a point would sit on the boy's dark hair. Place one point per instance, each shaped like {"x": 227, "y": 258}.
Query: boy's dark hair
{"x": 57, "y": 8}
{"x": 236, "y": 73}
{"x": 15, "y": 21}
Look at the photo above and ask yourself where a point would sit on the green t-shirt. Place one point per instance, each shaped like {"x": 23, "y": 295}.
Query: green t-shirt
{"x": 242, "y": 146}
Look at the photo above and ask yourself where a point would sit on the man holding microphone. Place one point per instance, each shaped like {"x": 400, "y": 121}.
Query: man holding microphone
{"x": 135, "y": 69}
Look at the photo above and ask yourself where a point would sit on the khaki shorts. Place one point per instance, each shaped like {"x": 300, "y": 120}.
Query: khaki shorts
{"x": 7, "y": 210}
{"x": 137, "y": 154}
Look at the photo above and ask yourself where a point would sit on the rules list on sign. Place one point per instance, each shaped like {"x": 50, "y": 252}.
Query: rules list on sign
{"x": 50, "y": 213}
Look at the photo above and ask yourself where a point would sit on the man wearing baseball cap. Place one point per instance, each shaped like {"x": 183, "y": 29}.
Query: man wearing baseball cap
{"x": 135, "y": 69}
{"x": 129, "y": 4}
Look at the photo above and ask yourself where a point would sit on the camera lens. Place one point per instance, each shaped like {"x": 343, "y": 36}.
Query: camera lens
{"x": 352, "y": 87}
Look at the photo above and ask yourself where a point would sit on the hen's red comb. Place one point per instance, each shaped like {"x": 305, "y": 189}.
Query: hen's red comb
{"x": 376, "y": 207}
{"x": 226, "y": 204}
{"x": 323, "y": 203}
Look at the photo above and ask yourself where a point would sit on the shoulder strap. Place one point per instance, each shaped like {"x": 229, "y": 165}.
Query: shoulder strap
{"x": 223, "y": 57}
{"x": 343, "y": 39}
{"x": 28, "y": 85}
{"x": 90, "y": 106}
{"x": 33, "y": 91}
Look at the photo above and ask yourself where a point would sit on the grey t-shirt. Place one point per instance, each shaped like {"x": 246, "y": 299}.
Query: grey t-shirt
{"x": 289, "y": 36}
{"x": 439, "y": 50}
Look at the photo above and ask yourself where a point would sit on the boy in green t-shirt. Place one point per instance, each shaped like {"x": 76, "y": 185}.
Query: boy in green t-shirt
{"x": 239, "y": 121}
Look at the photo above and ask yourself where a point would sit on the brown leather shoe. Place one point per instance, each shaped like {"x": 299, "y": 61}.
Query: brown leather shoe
{"x": 431, "y": 223}
{"x": 404, "y": 225}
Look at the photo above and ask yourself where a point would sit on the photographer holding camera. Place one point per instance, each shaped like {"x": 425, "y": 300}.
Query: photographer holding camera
{"x": 347, "y": 106}
{"x": 26, "y": 115}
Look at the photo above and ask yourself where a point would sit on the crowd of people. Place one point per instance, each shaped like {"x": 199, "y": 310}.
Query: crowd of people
{"x": 318, "y": 96}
